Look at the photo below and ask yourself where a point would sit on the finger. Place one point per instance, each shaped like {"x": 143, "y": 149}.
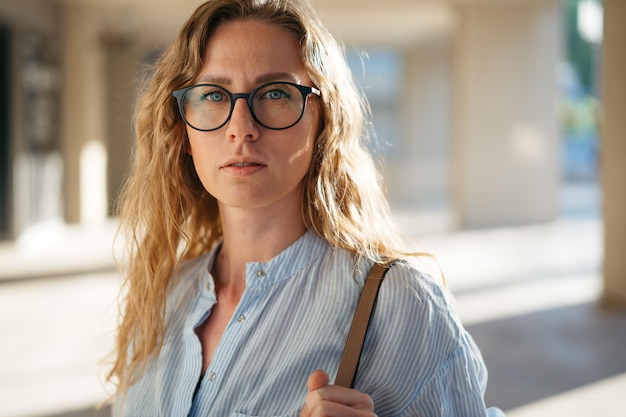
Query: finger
{"x": 330, "y": 409}
{"x": 317, "y": 380}
{"x": 346, "y": 396}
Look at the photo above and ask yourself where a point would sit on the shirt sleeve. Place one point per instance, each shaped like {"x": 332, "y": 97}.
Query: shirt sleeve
{"x": 455, "y": 390}
{"x": 450, "y": 376}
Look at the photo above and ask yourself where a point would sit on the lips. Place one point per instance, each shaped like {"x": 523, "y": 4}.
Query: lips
{"x": 240, "y": 168}
{"x": 244, "y": 164}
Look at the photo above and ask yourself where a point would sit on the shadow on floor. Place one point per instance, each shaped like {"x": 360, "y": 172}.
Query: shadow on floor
{"x": 535, "y": 356}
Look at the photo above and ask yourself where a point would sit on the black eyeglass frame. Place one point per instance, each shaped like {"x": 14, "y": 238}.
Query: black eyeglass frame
{"x": 304, "y": 90}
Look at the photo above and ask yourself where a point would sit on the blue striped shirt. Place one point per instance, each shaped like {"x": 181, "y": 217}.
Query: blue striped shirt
{"x": 293, "y": 318}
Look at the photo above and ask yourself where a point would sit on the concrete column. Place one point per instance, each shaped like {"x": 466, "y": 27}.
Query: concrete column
{"x": 84, "y": 115}
{"x": 418, "y": 165}
{"x": 505, "y": 152}
{"x": 614, "y": 152}
{"x": 123, "y": 58}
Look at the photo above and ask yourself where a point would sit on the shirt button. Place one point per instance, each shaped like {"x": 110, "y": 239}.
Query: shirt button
{"x": 208, "y": 287}
{"x": 260, "y": 273}
{"x": 212, "y": 377}
{"x": 241, "y": 319}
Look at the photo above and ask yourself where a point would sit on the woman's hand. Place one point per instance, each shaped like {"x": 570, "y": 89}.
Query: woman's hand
{"x": 325, "y": 400}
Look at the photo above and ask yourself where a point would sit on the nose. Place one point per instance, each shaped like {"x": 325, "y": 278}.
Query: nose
{"x": 242, "y": 125}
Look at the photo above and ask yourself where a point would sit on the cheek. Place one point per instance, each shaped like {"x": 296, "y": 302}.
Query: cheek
{"x": 317, "y": 115}
{"x": 303, "y": 151}
{"x": 197, "y": 147}
{"x": 199, "y": 144}
{"x": 313, "y": 124}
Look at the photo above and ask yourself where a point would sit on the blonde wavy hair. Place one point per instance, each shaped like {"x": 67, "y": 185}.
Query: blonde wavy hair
{"x": 166, "y": 216}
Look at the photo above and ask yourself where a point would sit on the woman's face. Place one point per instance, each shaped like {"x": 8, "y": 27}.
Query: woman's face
{"x": 243, "y": 164}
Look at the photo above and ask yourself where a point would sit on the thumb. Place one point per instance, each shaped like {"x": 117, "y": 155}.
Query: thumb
{"x": 317, "y": 379}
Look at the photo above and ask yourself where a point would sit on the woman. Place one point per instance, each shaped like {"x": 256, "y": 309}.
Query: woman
{"x": 254, "y": 213}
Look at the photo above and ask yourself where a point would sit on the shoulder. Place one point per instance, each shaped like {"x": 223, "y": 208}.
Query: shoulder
{"x": 409, "y": 286}
{"x": 417, "y": 308}
{"x": 416, "y": 335}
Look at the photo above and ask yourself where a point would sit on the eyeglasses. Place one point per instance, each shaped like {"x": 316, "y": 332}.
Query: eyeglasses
{"x": 276, "y": 105}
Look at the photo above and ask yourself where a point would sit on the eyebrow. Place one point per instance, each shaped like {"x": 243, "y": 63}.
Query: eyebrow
{"x": 265, "y": 78}
{"x": 278, "y": 76}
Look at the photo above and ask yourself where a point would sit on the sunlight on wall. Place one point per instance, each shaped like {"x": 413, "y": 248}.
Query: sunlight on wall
{"x": 93, "y": 183}
{"x": 528, "y": 144}
{"x": 590, "y": 20}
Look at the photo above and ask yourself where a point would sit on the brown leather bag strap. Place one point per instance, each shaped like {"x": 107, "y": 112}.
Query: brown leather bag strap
{"x": 352, "y": 351}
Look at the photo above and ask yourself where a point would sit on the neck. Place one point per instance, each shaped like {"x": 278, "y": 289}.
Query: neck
{"x": 253, "y": 236}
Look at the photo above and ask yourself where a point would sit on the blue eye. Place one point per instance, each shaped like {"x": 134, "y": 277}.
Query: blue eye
{"x": 212, "y": 96}
{"x": 275, "y": 94}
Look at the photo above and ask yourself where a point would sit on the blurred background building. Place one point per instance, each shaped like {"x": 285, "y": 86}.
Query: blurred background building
{"x": 489, "y": 115}
{"x": 460, "y": 90}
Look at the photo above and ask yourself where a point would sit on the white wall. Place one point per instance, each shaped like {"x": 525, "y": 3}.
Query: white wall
{"x": 506, "y": 165}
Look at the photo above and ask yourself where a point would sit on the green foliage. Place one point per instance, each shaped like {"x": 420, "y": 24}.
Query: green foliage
{"x": 579, "y": 52}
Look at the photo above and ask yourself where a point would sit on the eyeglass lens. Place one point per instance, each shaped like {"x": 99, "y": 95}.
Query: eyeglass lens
{"x": 274, "y": 105}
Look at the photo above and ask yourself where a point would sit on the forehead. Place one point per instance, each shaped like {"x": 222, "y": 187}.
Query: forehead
{"x": 247, "y": 49}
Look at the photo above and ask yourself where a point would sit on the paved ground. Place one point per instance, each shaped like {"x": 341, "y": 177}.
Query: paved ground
{"x": 527, "y": 294}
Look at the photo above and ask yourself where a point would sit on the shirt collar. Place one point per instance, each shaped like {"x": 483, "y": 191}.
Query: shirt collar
{"x": 309, "y": 247}
{"x": 287, "y": 263}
